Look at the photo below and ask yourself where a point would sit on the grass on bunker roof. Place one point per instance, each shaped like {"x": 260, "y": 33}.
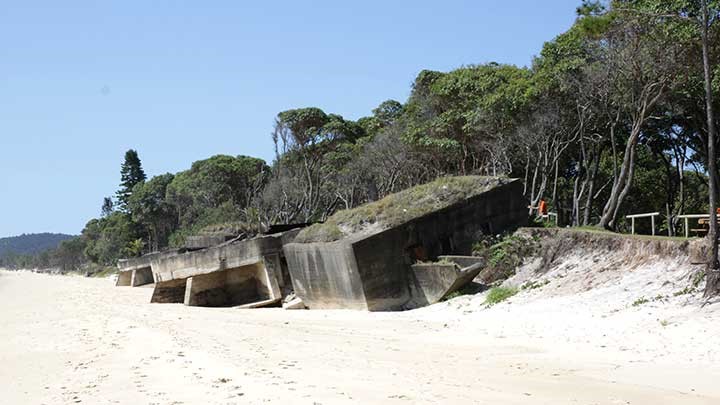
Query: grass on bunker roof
{"x": 398, "y": 208}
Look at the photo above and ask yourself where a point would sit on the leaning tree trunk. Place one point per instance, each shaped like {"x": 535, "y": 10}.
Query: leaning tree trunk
{"x": 610, "y": 210}
{"x": 625, "y": 190}
{"x": 712, "y": 286}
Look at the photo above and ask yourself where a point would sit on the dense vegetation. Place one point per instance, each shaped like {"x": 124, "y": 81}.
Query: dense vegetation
{"x": 613, "y": 116}
{"x": 31, "y": 250}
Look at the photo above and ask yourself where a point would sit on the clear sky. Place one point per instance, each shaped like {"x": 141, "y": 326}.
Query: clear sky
{"x": 82, "y": 82}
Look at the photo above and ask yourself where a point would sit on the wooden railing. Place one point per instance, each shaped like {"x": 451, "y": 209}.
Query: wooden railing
{"x": 652, "y": 216}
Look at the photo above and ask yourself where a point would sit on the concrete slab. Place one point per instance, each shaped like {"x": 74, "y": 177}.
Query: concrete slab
{"x": 260, "y": 304}
{"x": 434, "y": 281}
{"x": 295, "y": 303}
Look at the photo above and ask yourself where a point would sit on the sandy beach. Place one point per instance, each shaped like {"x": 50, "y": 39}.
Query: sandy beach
{"x": 68, "y": 340}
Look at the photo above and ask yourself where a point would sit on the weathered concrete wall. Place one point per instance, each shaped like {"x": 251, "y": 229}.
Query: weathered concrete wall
{"x": 216, "y": 258}
{"x": 169, "y": 292}
{"x": 124, "y": 279}
{"x": 232, "y": 287}
{"x": 431, "y": 282}
{"x": 141, "y": 276}
{"x": 137, "y": 271}
{"x": 326, "y": 273}
{"x": 373, "y": 272}
{"x": 135, "y": 263}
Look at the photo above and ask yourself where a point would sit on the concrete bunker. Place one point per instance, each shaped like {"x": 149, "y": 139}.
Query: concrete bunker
{"x": 362, "y": 258}
{"x": 246, "y": 273}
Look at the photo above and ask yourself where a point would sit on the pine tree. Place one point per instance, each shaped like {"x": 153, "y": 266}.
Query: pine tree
{"x": 131, "y": 173}
{"x": 107, "y": 206}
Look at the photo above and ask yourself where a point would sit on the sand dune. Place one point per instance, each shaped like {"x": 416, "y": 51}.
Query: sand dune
{"x": 67, "y": 340}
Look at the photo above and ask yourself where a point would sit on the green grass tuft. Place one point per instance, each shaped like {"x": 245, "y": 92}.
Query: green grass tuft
{"x": 500, "y": 294}
{"x": 640, "y": 301}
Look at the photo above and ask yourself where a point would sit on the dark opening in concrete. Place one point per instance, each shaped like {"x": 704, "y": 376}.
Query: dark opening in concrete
{"x": 228, "y": 288}
{"x": 169, "y": 292}
{"x": 142, "y": 276}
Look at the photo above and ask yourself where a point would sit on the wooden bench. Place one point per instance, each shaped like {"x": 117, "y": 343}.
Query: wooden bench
{"x": 702, "y": 221}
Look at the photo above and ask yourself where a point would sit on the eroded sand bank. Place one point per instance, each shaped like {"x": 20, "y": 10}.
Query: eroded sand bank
{"x": 66, "y": 340}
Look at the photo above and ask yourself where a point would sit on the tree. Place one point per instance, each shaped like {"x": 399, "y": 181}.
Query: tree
{"x": 150, "y": 209}
{"x": 641, "y": 60}
{"x": 462, "y": 119}
{"x": 213, "y": 191}
{"x": 131, "y": 173}
{"x": 107, "y": 207}
{"x": 712, "y": 286}
{"x": 310, "y": 145}
{"x": 111, "y": 238}
{"x": 694, "y": 19}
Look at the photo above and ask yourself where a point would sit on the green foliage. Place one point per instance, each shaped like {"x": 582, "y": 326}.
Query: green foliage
{"x": 131, "y": 174}
{"x": 111, "y": 238}
{"x": 499, "y": 294}
{"x": 449, "y": 113}
{"x": 150, "y": 209}
{"x": 107, "y": 206}
{"x": 45, "y": 250}
{"x": 31, "y": 243}
{"x": 215, "y": 189}
{"x": 505, "y": 254}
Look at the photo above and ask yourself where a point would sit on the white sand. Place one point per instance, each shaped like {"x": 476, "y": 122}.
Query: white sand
{"x": 76, "y": 340}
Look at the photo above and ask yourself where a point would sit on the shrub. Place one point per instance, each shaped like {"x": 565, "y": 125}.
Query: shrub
{"x": 503, "y": 255}
{"x": 500, "y": 294}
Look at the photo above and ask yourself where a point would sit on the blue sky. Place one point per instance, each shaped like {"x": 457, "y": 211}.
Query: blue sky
{"x": 81, "y": 82}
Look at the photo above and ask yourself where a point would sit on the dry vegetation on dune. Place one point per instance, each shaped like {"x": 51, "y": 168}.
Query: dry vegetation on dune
{"x": 400, "y": 207}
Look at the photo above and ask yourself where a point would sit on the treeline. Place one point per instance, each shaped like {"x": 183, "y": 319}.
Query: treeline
{"x": 609, "y": 119}
{"x": 33, "y": 250}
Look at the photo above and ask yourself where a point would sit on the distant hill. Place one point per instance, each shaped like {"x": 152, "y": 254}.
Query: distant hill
{"x": 27, "y": 244}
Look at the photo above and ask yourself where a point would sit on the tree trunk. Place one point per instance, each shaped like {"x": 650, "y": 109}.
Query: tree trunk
{"x": 591, "y": 189}
{"x": 625, "y": 190}
{"x": 712, "y": 286}
{"x": 610, "y": 210}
